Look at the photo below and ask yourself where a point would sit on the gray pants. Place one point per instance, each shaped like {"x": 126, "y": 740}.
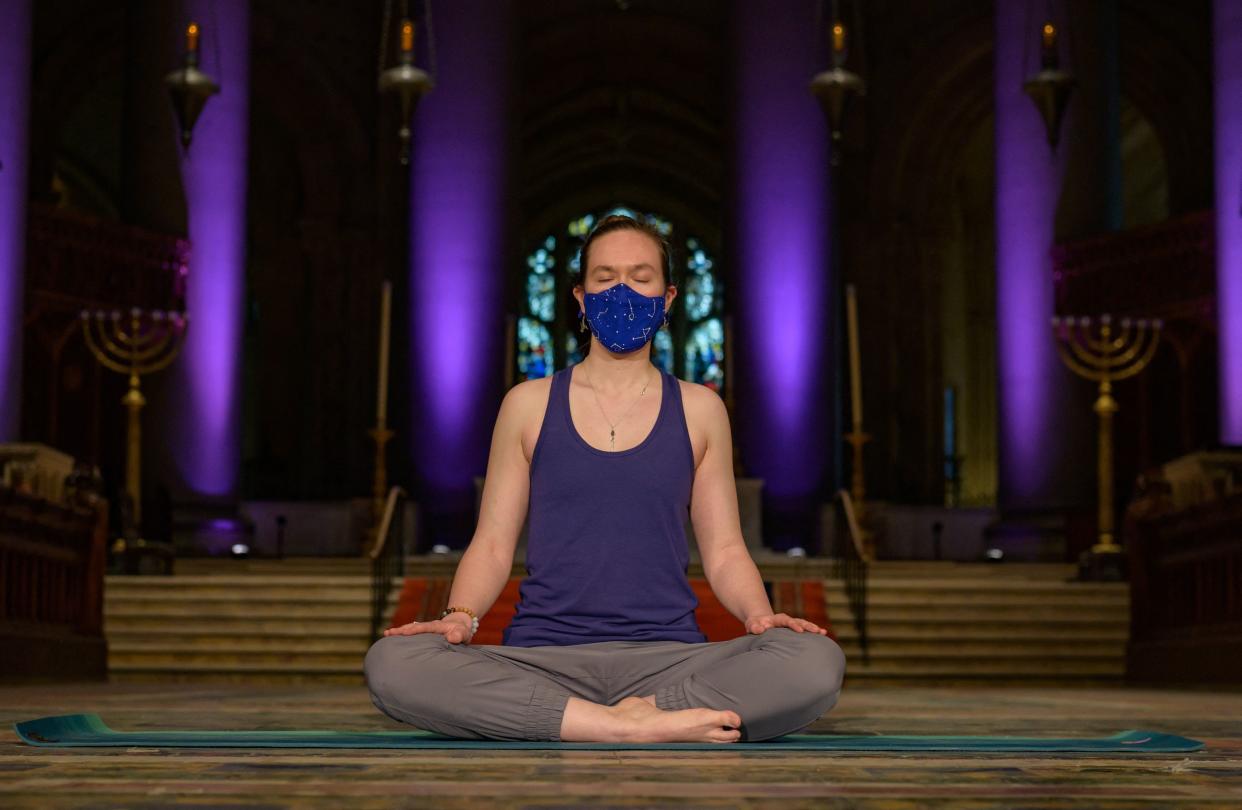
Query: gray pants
{"x": 779, "y": 681}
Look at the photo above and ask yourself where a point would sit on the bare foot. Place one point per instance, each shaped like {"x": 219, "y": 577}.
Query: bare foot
{"x": 639, "y": 721}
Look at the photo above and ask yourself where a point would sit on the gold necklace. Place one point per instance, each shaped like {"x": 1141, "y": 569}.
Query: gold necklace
{"x": 612, "y": 432}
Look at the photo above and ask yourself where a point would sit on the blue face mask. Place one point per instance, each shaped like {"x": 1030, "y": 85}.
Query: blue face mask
{"x": 623, "y": 319}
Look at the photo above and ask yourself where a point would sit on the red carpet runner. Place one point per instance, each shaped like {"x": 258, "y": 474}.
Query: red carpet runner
{"x": 423, "y": 598}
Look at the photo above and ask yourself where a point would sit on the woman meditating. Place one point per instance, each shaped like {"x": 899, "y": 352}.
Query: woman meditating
{"x": 609, "y": 454}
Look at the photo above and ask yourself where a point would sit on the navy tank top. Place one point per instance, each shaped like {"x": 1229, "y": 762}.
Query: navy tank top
{"x": 606, "y": 550}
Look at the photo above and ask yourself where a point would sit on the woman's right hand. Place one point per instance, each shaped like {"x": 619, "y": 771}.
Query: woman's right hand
{"x": 455, "y": 627}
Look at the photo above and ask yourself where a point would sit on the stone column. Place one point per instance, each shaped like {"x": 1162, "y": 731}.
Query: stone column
{"x": 206, "y": 390}
{"x": 1227, "y": 91}
{"x": 785, "y": 309}
{"x": 1028, "y": 180}
{"x": 15, "y": 38}
{"x": 457, "y": 278}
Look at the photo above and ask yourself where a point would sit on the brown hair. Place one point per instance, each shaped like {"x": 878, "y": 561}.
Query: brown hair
{"x": 620, "y": 222}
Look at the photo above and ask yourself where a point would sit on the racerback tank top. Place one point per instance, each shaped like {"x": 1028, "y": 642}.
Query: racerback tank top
{"x": 606, "y": 550}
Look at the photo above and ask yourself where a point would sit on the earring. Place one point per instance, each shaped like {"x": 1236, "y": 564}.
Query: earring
{"x": 665, "y": 319}
{"x": 581, "y": 321}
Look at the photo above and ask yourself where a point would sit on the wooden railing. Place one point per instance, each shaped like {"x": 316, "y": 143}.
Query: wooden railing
{"x": 851, "y": 564}
{"x": 1161, "y": 270}
{"x": 387, "y": 556}
{"x": 52, "y": 561}
{"x": 1186, "y": 593}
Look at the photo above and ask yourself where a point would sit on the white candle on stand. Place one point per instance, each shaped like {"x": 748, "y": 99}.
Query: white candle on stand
{"x": 381, "y": 406}
{"x": 855, "y": 370}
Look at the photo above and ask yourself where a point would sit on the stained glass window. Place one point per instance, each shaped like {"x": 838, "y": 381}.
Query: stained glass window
{"x": 551, "y": 313}
{"x": 534, "y": 353}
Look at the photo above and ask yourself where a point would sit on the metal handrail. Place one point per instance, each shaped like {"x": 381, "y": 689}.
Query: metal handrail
{"x": 387, "y": 555}
{"x": 851, "y": 564}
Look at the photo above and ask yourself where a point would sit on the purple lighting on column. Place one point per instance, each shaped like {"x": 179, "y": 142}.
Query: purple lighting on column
{"x": 784, "y": 300}
{"x": 14, "y": 159}
{"x": 1227, "y": 55}
{"x": 1027, "y": 186}
{"x": 457, "y": 273}
{"x": 208, "y": 447}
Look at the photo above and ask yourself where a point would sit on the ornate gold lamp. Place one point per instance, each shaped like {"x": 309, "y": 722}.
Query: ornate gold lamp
{"x": 1091, "y": 350}
{"x": 189, "y": 87}
{"x": 836, "y": 86}
{"x": 144, "y": 343}
{"x": 1050, "y": 88}
{"x": 408, "y": 82}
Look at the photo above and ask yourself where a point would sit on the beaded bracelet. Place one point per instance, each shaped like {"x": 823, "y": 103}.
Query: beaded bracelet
{"x": 474, "y": 620}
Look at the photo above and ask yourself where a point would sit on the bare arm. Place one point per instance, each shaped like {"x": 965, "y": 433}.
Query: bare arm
{"x": 730, "y": 571}
{"x": 485, "y": 566}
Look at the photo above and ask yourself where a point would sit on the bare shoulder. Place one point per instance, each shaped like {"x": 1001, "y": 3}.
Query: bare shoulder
{"x": 705, "y": 404}
{"x": 523, "y": 408}
{"x": 707, "y": 419}
{"x": 528, "y": 393}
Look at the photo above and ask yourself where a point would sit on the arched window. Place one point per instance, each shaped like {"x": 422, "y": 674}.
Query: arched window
{"x": 546, "y": 342}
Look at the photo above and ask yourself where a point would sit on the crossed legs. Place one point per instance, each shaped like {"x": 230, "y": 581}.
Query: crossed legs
{"x": 751, "y": 688}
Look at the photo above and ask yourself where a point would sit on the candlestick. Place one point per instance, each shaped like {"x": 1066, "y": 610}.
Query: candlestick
{"x": 381, "y": 403}
{"x": 855, "y": 370}
{"x": 1093, "y": 351}
{"x": 147, "y": 343}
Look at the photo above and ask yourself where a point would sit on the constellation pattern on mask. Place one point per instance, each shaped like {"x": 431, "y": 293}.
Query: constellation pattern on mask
{"x": 619, "y": 331}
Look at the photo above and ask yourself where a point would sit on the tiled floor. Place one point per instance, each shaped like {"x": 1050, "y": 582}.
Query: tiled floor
{"x": 109, "y": 778}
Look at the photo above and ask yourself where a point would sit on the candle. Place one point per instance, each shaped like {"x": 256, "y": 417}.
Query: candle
{"x": 838, "y": 37}
{"x": 855, "y": 374}
{"x": 381, "y": 406}
{"x": 191, "y": 38}
{"x": 1049, "y": 51}
{"x": 407, "y": 36}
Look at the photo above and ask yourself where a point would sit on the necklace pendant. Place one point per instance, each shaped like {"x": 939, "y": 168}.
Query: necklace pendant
{"x": 612, "y": 439}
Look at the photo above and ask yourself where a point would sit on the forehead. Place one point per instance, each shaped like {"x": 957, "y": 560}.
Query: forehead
{"x": 624, "y": 247}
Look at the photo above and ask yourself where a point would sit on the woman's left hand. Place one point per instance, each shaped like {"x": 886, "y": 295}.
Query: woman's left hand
{"x": 757, "y": 624}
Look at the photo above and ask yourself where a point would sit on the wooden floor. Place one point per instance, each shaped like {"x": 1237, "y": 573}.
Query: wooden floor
{"x": 110, "y": 778}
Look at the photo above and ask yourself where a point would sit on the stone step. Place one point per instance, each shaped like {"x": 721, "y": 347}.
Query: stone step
{"x": 239, "y": 661}
{"x": 257, "y": 608}
{"x": 116, "y": 623}
{"x": 1001, "y": 666}
{"x": 1018, "y": 614}
{"x": 986, "y": 631}
{"x": 223, "y": 643}
{"x": 956, "y": 648}
{"x": 289, "y": 566}
{"x": 946, "y": 570}
{"x": 209, "y": 601}
{"x": 250, "y": 580}
{"x": 237, "y": 672}
{"x": 976, "y": 584}
{"x": 877, "y": 596}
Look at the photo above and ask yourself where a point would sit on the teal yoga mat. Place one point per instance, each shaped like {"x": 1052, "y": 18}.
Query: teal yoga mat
{"x": 74, "y": 730}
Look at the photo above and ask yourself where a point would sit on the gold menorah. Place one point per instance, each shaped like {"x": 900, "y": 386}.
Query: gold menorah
{"x": 1106, "y": 358}
{"x": 144, "y": 343}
